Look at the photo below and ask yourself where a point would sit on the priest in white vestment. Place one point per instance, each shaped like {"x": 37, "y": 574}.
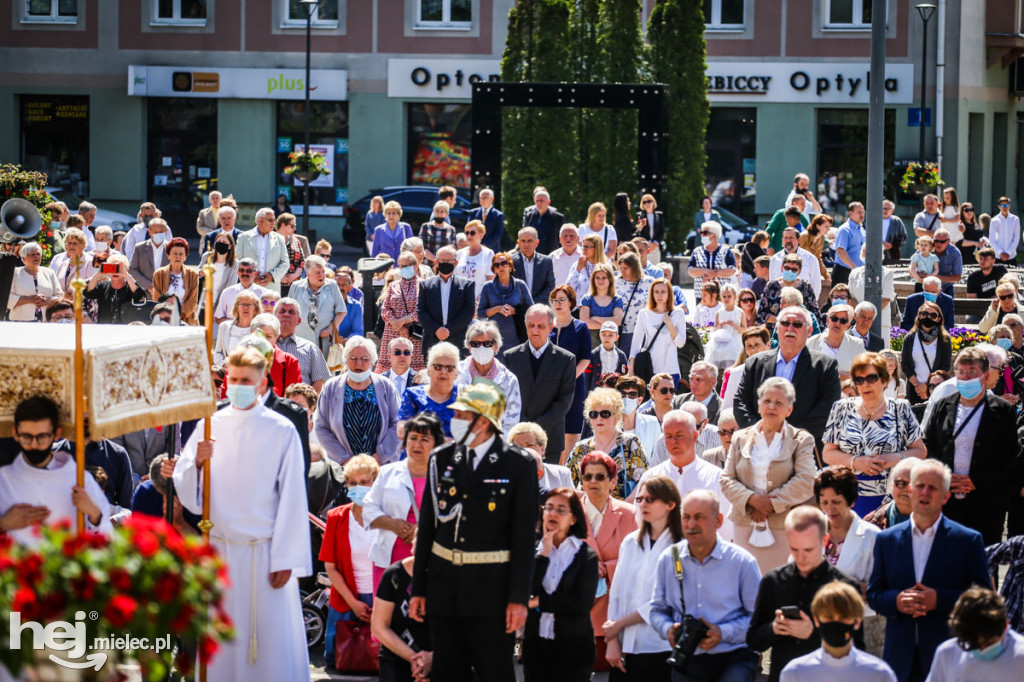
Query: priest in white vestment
{"x": 258, "y": 509}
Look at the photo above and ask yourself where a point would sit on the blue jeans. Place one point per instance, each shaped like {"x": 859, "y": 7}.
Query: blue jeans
{"x": 332, "y": 625}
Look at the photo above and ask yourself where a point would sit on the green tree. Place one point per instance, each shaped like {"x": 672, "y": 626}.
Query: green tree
{"x": 675, "y": 34}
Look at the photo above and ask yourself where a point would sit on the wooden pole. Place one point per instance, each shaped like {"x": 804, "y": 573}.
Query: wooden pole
{"x": 79, "y": 286}
{"x": 206, "y": 524}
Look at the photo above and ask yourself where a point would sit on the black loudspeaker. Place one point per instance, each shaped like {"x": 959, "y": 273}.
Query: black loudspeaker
{"x": 19, "y": 219}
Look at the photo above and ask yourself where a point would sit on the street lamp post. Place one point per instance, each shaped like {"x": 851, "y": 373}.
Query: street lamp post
{"x": 310, "y": 6}
{"x": 926, "y": 10}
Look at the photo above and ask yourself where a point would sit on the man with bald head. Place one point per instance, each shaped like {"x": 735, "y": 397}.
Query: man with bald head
{"x": 706, "y": 578}
{"x": 226, "y": 219}
{"x": 533, "y": 268}
{"x": 206, "y": 221}
{"x": 493, "y": 220}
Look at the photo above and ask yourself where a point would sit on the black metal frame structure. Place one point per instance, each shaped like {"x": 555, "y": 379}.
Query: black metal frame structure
{"x": 649, "y": 100}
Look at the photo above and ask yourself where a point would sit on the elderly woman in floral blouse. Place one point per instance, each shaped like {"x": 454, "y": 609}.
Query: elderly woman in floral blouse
{"x": 398, "y": 310}
{"x": 603, "y": 409}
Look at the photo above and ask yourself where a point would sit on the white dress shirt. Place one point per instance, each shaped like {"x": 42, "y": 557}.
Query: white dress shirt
{"x": 478, "y": 453}
{"x": 697, "y": 475}
{"x": 1004, "y": 233}
{"x": 637, "y": 566}
{"x": 810, "y": 271}
{"x": 262, "y": 248}
{"x": 158, "y": 256}
{"x": 595, "y": 516}
{"x": 921, "y": 542}
{"x": 537, "y": 352}
{"x": 562, "y": 263}
{"x": 446, "y": 294}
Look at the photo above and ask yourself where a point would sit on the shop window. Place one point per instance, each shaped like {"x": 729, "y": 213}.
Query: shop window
{"x": 180, "y": 12}
{"x": 181, "y": 146}
{"x": 56, "y": 11}
{"x": 325, "y": 13}
{"x": 439, "y": 143}
{"x": 55, "y": 140}
{"x": 723, "y": 15}
{"x": 444, "y": 13}
{"x": 855, "y": 14}
{"x": 843, "y": 156}
{"x": 328, "y": 134}
{"x": 731, "y": 145}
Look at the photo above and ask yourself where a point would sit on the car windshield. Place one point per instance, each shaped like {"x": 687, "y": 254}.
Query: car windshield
{"x": 67, "y": 197}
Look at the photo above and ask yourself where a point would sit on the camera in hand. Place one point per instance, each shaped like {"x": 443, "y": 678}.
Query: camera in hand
{"x": 109, "y": 268}
{"x": 688, "y": 637}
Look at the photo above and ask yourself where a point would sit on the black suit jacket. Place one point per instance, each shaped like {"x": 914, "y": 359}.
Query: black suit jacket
{"x": 491, "y": 508}
{"x": 994, "y": 456}
{"x": 714, "y": 405}
{"x": 543, "y": 275}
{"x": 595, "y": 370}
{"x": 654, "y": 232}
{"x": 874, "y": 343}
{"x": 547, "y": 396}
{"x": 914, "y": 302}
{"x": 547, "y": 226}
{"x": 816, "y": 380}
{"x": 461, "y": 308}
{"x": 494, "y": 226}
{"x": 570, "y": 603}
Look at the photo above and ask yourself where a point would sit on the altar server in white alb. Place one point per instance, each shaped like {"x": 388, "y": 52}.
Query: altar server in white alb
{"x": 258, "y": 509}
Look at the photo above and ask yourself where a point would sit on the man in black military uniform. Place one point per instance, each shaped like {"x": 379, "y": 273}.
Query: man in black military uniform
{"x": 475, "y": 544}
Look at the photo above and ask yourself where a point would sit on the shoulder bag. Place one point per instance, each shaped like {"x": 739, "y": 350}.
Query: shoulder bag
{"x": 643, "y": 363}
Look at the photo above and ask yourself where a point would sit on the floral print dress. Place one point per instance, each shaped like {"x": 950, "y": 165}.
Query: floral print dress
{"x": 629, "y": 457}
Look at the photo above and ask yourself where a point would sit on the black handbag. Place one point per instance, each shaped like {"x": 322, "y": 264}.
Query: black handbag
{"x": 643, "y": 363}
{"x": 415, "y": 328}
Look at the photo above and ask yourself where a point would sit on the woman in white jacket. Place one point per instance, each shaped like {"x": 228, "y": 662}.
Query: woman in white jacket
{"x": 851, "y": 540}
{"x": 663, "y": 343}
{"x": 392, "y": 507}
{"x": 635, "y": 651}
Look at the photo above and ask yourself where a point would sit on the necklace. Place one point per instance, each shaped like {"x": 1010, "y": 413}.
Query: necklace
{"x": 870, "y": 415}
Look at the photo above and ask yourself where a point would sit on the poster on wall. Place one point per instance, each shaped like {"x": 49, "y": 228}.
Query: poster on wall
{"x": 325, "y": 180}
{"x": 439, "y": 139}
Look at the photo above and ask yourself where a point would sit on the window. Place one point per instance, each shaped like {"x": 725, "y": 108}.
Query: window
{"x": 325, "y": 14}
{"x": 328, "y": 134}
{"x": 843, "y": 156}
{"x": 55, "y": 139}
{"x": 439, "y": 140}
{"x": 444, "y": 14}
{"x": 723, "y": 15}
{"x": 189, "y": 12}
{"x": 854, "y": 14}
{"x": 60, "y": 11}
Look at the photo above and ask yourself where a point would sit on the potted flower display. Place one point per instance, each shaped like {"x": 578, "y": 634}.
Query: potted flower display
{"x": 18, "y": 183}
{"x": 307, "y": 166}
{"x": 919, "y": 178}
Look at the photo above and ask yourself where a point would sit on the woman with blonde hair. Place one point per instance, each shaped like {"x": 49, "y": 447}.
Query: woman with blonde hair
{"x": 601, "y": 304}
{"x": 650, "y": 224}
{"x": 597, "y": 223}
{"x": 593, "y": 254}
{"x": 603, "y": 410}
{"x": 231, "y": 332}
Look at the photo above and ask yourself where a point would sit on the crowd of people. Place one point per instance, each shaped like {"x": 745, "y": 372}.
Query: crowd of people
{"x": 550, "y": 440}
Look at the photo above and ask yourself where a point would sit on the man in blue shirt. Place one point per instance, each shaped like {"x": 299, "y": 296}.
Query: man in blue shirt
{"x": 719, "y": 581}
{"x": 951, "y": 262}
{"x": 849, "y": 241}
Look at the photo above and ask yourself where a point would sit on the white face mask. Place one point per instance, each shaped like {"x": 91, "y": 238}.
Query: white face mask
{"x": 358, "y": 377}
{"x": 629, "y": 405}
{"x": 101, "y": 247}
{"x": 482, "y": 355}
{"x": 460, "y": 429}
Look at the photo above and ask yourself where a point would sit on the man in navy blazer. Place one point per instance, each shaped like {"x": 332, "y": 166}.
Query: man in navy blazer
{"x": 921, "y": 568}
{"x": 864, "y": 316}
{"x": 541, "y": 278}
{"x": 931, "y": 285}
{"x": 460, "y": 304}
{"x": 493, "y": 220}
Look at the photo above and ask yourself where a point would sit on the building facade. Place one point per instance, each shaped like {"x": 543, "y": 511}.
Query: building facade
{"x": 123, "y": 101}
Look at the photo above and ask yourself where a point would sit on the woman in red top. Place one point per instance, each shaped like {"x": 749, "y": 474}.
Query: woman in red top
{"x": 284, "y": 370}
{"x": 346, "y": 552}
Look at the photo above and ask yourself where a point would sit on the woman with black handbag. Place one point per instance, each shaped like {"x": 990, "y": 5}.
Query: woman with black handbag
{"x": 660, "y": 332}
{"x": 633, "y": 286}
{"x": 398, "y": 311}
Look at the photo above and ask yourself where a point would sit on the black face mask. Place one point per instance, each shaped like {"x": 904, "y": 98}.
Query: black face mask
{"x": 36, "y": 457}
{"x": 926, "y": 322}
{"x": 221, "y": 247}
{"x": 439, "y": 221}
{"x": 836, "y": 634}
{"x": 445, "y": 268}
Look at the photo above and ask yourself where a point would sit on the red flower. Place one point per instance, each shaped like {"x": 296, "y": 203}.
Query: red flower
{"x": 167, "y": 587}
{"x": 181, "y": 621}
{"x": 147, "y": 544}
{"x": 120, "y": 610}
{"x": 25, "y": 192}
{"x": 25, "y": 602}
{"x": 29, "y": 570}
{"x": 207, "y": 648}
{"x": 84, "y": 586}
{"x": 120, "y": 580}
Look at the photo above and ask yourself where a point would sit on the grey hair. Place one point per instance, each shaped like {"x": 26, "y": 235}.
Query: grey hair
{"x": 904, "y": 465}
{"x": 287, "y": 300}
{"x": 399, "y": 341}
{"x": 713, "y": 226}
{"x": 804, "y": 314}
{"x": 996, "y": 356}
{"x": 667, "y": 269}
{"x": 224, "y": 209}
{"x": 707, "y": 496}
{"x": 158, "y": 222}
{"x": 791, "y": 295}
{"x": 76, "y": 234}
{"x": 676, "y": 413}
{"x": 865, "y": 305}
{"x": 480, "y": 328}
{"x": 727, "y": 415}
{"x": 696, "y": 409}
{"x": 263, "y": 212}
{"x": 267, "y": 320}
{"x": 406, "y": 255}
{"x": 360, "y": 342}
{"x": 529, "y": 230}
{"x": 569, "y": 226}
{"x": 931, "y": 280}
{"x": 1016, "y": 318}
{"x": 783, "y": 385}
{"x": 315, "y": 262}
{"x": 541, "y": 308}
{"x": 932, "y": 466}
{"x": 443, "y": 349}
{"x": 251, "y": 262}
{"x": 413, "y": 243}
{"x": 442, "y": 205}
{"x": 30, "y": 247}
{"x": 103, "y": 230}
{"x": 86, "y": 207}
{"x": 488, "y": 191}
{"x": 447, "y": 248}
{"x": 705, "y": 366}
{"x": 844, "y": 307}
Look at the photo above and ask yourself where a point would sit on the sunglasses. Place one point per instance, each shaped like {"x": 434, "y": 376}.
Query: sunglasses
{"x": 648, "y": 201}
{"x": 941, "y": 241}
{"x": 1006, "y": 297}
{"x": 595, "y": 477}
{"x": 603, "y": 414}
{"x": 967, "y": 210}
{"x": 866, "y": 379}
{"x": 793, "y": 269}
{"x": 630, "y": 394}
{"x": 726, "y": 432}
{"x": 245, "y": 271}
{"x": 438, "y": 367}
{"x": 900, "y": 483}
{"x": 705, "y": 233}
{"x": 746, "y": 300}
{"x": 471, "y": 233}
{"x": 928, "y": 316}
{"x": 836, "y": 318}
{"x": 481, "y": 344}
{"x": 502, "y": 264}
{"x": 1004, "y": 206}
{"x": 795, "y": 324}
{"x": 401, "y": 351}
{"x": 666, "y": 390}
{"x": 646, "y": 499}
{"x": 269, "y": 302}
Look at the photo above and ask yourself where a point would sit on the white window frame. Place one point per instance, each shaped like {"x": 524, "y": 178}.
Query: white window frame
{"x": 856, "y": 25}
{"x": 714, "y": 22}
{"x": 446, "y": 23}
{"x": 288, "y": 22}
{"x": 53, "y": 17}
{"x": 177, "y": 20}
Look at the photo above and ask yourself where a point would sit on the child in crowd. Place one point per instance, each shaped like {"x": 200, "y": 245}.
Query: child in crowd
{"x": 897, "y": 386}
{"x": 924, "y": 263}
{"x": 607, "y": 358}
{"x": 726, "y": 345}
{"x": 848, "y": 389}
{"x": 761, "y": 265}
{"x": 709, "y": 305}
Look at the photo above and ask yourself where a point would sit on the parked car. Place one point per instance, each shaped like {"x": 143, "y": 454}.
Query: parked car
{"x": 116, "y": 221}
{"x": 417, "y": 203}
{"x": 734, "y": 230}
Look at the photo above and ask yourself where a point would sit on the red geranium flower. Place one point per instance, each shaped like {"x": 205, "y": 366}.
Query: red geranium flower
{"x": 30, "y": 567}
{"x": 166, "y": 587}
{"x": 183, "y": 618}
{"x": 25, "y": 602}
{"x": 120, "y": 610}
{"x": 207, "y": 649}
{"x": 120, "y": 580}
{"x": 147, "y": 544}
{"x": 84, "y": 586}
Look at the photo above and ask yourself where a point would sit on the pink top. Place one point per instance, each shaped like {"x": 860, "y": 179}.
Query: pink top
{"x": 402, "y": 550}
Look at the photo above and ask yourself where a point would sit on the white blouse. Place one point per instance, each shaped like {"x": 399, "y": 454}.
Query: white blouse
{"x": 920, "y": 366}
{"x": 632, "y": 586}
{"x": 664, "y": 354}
{"x": 45, "y": 283}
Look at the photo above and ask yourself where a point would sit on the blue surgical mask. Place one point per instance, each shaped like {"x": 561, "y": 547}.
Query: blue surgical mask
{"x": 407, "y": 272}
{"x": 705, "y": 241}
{"x": 241, "y": 396}
{"x": 1004, "y": 343}
{"x": 838, "y": 301}
{"x": 969, "y": 388}
{"x": 159, "y": 238}
{"x": 789, "y": 276}
{"x": 357, "y": 493}
{"x": 930, "y": 297}
{"x": 989, "y": 653}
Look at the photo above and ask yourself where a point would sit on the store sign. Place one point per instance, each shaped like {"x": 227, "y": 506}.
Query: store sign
{"x": 439, "y": 78}
{"x": 274, "y": 84}
{"x": 802, "y": 82}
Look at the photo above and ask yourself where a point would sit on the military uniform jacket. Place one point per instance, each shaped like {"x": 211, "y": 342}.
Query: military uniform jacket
{"x": 491, "y": 509}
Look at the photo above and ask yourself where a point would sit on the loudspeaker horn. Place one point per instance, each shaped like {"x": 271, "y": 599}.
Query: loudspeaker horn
{"x": 19, "y": 219}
